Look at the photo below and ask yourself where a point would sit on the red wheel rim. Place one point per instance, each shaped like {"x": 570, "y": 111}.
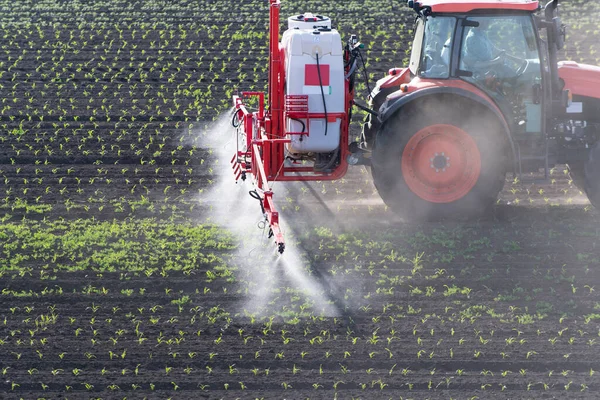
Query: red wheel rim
{"x": 441, "y": 163}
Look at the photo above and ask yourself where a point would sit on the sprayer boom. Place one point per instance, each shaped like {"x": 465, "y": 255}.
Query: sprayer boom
{"x": 250, "y": 161}
{"x": 302, "y": 133}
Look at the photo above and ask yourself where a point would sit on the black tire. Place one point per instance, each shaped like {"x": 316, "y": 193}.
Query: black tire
{"x": 479, "y": 124}
{"x": 591, "y": 175}
{"x": 577, "y": 175}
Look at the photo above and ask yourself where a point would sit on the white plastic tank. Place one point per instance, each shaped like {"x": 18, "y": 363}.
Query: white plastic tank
{"x": 302, "y": 42}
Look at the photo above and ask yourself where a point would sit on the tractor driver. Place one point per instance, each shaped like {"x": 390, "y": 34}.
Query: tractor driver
{"x": 478, "y": 51}
{"x": 489, "y": 64}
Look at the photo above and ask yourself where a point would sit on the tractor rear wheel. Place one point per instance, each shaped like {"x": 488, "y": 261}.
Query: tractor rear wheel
{"x": 587, "y": 176}
{"x": 440, "y": 159}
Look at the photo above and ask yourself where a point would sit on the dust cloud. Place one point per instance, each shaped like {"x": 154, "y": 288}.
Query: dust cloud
{"x": 267, "y": 279}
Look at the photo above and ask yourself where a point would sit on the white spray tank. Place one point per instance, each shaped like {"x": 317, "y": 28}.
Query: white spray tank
{"x": 310, "y": 36}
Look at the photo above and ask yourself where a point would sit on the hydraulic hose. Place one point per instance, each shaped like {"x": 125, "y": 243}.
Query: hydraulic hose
{"x": 235, "y": 121}
{"x": 254, "y": 194}
{"x": 365, "y": 71}
{"x": 301, "y": 122}
{"x": 322, "y": 93}
{"x": 352, "y": 69}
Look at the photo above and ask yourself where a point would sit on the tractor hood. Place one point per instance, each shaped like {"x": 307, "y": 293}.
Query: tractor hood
{"x": 580, "y": 79}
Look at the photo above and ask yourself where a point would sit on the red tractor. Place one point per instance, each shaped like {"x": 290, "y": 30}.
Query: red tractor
{"x": 483, "y": 95}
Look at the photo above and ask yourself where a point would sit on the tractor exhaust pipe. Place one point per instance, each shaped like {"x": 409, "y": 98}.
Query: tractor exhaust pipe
{"x": 550, "y": 9}
{"x": 556, "y": 34}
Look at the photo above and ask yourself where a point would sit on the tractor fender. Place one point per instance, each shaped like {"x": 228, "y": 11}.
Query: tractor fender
{"x": 395, "y": 102}
{"x": 580, "y": 79}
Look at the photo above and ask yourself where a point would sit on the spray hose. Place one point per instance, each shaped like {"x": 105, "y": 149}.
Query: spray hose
{"x": 365, "y": 74}
{"x": 322, "y": 93}
{"x": 235, "y": 120}
{"x": 254, "y": 194}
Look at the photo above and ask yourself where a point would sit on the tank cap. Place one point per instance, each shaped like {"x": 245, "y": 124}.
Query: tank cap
{"x": 308, "y": 17}
{"x": 308, "y": 21}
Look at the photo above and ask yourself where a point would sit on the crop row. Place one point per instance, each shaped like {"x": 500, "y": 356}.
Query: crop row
{"x": 189, "y": 12}
{"x": 107, "y": 341}
{"x": 366, "y": 271}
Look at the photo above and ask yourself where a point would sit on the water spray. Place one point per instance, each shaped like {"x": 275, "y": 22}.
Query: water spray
{"x": 232, "y": 205}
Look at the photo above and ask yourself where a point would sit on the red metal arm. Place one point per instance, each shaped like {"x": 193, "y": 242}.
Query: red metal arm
{"x": 267, "y": 201}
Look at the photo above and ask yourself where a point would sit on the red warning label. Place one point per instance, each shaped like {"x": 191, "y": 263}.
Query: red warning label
{"x": 311, "y": 75}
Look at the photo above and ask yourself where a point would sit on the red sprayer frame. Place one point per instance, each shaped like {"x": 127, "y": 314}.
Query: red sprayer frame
{"x": 265, "y": 133}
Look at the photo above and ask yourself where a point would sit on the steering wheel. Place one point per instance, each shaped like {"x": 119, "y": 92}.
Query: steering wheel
{"x": 497, "y": 67}
{"x": 524, "y": 64}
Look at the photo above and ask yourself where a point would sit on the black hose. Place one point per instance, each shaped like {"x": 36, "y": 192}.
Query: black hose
{"x": 354, "y": 64}
{"x": 322, "y": 93}
{"x": 365, "y": 72}
{"x": 302, "y": 122}
{"x": 367, "y": 109}
{"x": 254, "y": 194}
{"x": 234, "y": 119}
{"x": 333, "y": 159}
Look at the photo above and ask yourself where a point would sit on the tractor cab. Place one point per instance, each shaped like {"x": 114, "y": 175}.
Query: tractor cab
{"x": 483, "y": 94}
{"x": 496, "y": 52}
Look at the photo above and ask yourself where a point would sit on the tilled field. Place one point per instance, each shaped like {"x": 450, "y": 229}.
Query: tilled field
{"x": 132, "y": 266}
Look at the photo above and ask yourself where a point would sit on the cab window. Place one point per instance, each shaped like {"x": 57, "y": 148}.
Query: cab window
{"x": 417, "y": 45}
{"x": 437, "y": 45}
{"x": 499, "y": 54}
